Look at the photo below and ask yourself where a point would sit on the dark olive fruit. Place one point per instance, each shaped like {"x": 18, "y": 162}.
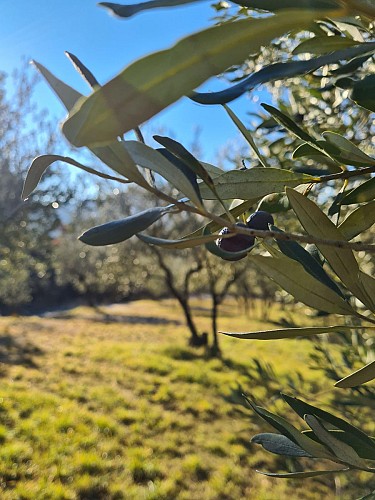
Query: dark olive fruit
{"x": 238, "y": 243}
{"x": 259, "y": 220}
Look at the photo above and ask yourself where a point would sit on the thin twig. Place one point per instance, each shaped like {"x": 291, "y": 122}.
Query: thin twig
{"x": 365, "y": 318}
{"x": 347, "y": 174}
{"x": 357, "y": 246}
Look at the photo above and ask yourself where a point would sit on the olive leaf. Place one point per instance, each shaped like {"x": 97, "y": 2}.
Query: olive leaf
{"x": 349, "y": 152}
{"x": 292, "y": 333}
{"x": 302, "y": 408}
{"x": 359, "y": 377}
{"x": 254, "y": 182}
{"x": 345, "y": 453}
{"x": 323, "y": 44}
{"x": 40, "y": 164}
{"x": 361, "y": 194}
{"x": 317, "y": 224}
{"x": 293, "y": 278}
{"x": 123, "y": 229}
{"x": 146, "y": 157}
{"x": 296, "y": 252}
{"x": 114, "y": 155}
{"x": 363, "y": 92}
{"x": 279, "y": 444}
{"x": 357, "y": 221}
{"x": 154, "y": 82}
{"x": 313, "y": 448}
{"x": 280, "y": 71}
{"x": 133, "y": 9}
{"x": 301, "y": 475}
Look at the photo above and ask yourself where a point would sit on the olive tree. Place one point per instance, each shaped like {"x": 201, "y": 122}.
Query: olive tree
{"x": 25, "y": 228}
{"x": 326, "y": 276}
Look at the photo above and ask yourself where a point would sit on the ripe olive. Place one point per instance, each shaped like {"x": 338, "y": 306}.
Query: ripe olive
{"x": 259, "y": 220}
{"x": 238, "y": 243}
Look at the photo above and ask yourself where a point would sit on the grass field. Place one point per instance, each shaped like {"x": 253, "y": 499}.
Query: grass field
{"x": 117, "y": 406}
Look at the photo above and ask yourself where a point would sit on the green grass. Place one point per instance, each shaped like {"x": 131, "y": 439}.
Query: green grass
{"x": 119, "y": 407}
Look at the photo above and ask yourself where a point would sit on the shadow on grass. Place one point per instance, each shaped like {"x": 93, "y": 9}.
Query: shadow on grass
{"x": 242, "y": 368}
{"x": 102, "y": 317}
{"x": 133, "y": 320}
{"x": 180, "y": 353}
{"x": 14, "y": 352}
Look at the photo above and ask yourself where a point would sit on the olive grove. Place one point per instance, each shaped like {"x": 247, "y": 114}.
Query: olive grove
{"x": 300, "y": 214}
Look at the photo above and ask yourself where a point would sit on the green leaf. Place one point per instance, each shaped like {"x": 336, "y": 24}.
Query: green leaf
{"x": 327, "y": 155}
{"x": 348, "y": 151}
{"x": 309, "y": 445}
{"x": 289, "y": 124}
{"x": 306, "y": 150}
{"x": 345, "y": 453}
{"x": 363, "y": 92}
{"x": 361, "y": 219}
{"x": 188, "y": 159}
{"x": 213, "y": 170}
{"x": 67, "y": 95}
{"x": 293, "y": 278}
{"x": 351, "y": 67}
{"x": 361, "y": 194}
{"x": 302, "y": 408}
{"x": 180, "y": 244}
{"x": 241, "y": 127}
{"x": 154, "y": 82}
{"x": 291, "y": 333}
{"x": 254, "y": 182}
{"x": 280, "y": 71}
{"x": 335, "y": 146}
{"x": 114, "y": 155}
{"x": 368, "y": 285}
{"x": 40, "y": 164}
{"x": 301, "y": 475}
{"x": 82, "y": 70}
{"x": 130, "y": 10}
{"x": 123, "y": 229}
{"x": 363, "y": 451}
{"x": 295, "y": 251}
{"x": 324, "y": 44}
{"x": 299, "y": 132}
{"x": 279, "y": 444}
{"x": 359, "y": 377}
{"x": 184, "y": 155}
{"x": 146, "y": 157}
{"x": 317, "y": 224}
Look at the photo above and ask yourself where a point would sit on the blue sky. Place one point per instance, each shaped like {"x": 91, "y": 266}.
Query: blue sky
{"x": 44, "y": 29}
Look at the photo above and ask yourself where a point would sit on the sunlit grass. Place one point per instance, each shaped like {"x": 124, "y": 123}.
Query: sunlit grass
{"x": 117, "y": 406}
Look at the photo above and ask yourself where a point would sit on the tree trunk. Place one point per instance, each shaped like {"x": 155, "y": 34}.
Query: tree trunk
{"x": 195, "y": 340}
{"x": 215, "y": 349}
